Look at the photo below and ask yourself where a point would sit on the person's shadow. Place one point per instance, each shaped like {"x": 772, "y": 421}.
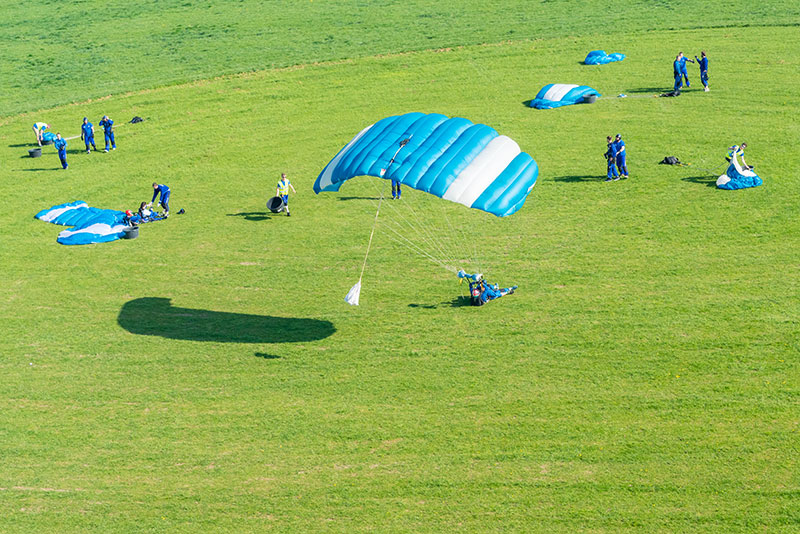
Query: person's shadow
{"x": 456, "y": 302}
{"x": 154, "y": 316}
{"x": 710, "y": 181}
{"x": 579, "y": 178}
{"x": 252, "y": 215}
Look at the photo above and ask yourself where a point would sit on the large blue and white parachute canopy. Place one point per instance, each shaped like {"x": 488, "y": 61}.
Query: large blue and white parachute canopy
{"x": 451, "y": 158}
{"x": 555, "y": 95}
{"x": 599, "y": 57}
{"x": 738, "y": 178}
{"x": 89, "y": 225}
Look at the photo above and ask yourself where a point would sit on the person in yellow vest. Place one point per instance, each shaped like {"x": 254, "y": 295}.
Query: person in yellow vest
{"x": 737, "y": 150}
{"x": 283, "y": 191}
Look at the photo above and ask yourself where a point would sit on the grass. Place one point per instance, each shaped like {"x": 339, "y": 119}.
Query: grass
{"x": 643, "y": 379}
{"x": 58, "y": 52}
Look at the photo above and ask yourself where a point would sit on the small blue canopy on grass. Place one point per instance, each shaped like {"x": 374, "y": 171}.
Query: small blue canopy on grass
{"x": 599, "y": 57}
{"x": 555, "y": 95}
{"x": 738, "y": 178}
{"x": 89, "y": 225}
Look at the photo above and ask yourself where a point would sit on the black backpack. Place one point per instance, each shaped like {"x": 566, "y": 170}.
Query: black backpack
{"x": 669, "y": 160}
{"x": 136, "y": 119}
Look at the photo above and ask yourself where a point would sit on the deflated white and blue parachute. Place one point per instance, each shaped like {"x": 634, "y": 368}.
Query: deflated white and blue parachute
{"x": 555, "y": 95}
{"x": 599, "y": 57}
{"x": 737, "y": 178}
{"x": 451, "y": 158}
{"x": 89, "y": 225}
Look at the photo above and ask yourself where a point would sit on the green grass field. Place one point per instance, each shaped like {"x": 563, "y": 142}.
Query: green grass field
{"x": 208, "y": 377}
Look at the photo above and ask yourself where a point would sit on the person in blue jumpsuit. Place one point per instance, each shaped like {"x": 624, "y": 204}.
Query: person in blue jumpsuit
{"x": 612, "y": 160}
{"x": 61, "y": 146}
{"x": 163, "y": 190}
{"x": 683, "y": 59}
{"x": 87, "y": 134}
{"x": 702, "y": 62}
{"x": 482, "y": 292}
{"x": 108, "y": 132}
{"x": 283, "y": 191}
{"x": 396, "y": 189}
{"x": 676, "y": 73}
{"x": 619, "y": 153}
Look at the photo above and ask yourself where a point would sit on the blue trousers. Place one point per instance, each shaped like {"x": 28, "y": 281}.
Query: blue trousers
{"x": 89, "y": 141}
{"x": 623, "y": 168}
{"x": 704, "y": 77}
{"x": 62, "y": 155}
{"x": 686, "y": 76}
{"x": 396, "y": 188}
{"x": 165, "y": 201}
{"x": 110, "y": 137}
{"x": 612, "y": 169}
{"x": 678, "y": 81}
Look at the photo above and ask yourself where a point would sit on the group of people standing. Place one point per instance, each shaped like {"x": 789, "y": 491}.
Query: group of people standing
{"x": 680, "y": 73}
{"x": 616, "y": 158}
{"x": 87, "y": 136}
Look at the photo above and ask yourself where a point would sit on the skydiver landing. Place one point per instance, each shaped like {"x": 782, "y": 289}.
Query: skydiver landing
{"x": 481, "y": 291}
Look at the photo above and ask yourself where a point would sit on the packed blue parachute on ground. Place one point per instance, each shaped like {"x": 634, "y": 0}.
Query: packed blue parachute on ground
{"x": 599, "y": 57}
{"x": 555, "y": 95}
{"x": 89, "y": 225}
{"x": 451, "y": 158}
{"x": 737, "y": 178}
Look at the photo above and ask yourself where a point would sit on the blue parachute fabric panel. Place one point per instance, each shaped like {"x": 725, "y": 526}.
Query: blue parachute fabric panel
{"x": 599, "y": 57}
{"x": 89, "y": 225}
{"x": 48, "y": 136}
{"x": 511, "y": 188}
{"x": 461, "y": 152}
{"x": 555, "y": 95}
{"x": 734, "y": 179}
{"x": 435, "y": 145}
{"x": 451, "y": 158}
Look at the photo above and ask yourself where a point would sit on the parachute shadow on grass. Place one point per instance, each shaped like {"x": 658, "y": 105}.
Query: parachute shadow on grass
{"x": 710, "y": 181}
{"x": 359, "y": 198}
{"x": 153, "y": 316}
{"x": 252, "y": 215}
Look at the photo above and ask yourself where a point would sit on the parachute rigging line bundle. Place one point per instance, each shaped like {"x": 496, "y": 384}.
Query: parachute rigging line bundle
{"x": 447, "y": 158}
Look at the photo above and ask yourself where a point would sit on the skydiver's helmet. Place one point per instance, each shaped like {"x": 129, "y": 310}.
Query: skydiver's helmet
{"x": 128, "y": 213}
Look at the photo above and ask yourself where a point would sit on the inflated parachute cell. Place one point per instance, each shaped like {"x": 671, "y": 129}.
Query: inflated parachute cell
{"x": 555, "y": 95}
{"x": 599, "y": 57}
{"x": 451, "y": 158}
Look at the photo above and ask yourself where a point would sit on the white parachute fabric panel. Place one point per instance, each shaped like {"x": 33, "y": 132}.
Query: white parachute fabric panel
{"x": 558, "y": 91}
{"x": 325, "y": 179}
{"x": 54, "y": 213}
{"x": 482, "y": 171}
{"x": 354, "y": 294}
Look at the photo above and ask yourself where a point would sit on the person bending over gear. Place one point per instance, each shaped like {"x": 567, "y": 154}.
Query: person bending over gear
{"x": 283, "y": 191}
{"x": 38, "y": 129}
{"x": 737, "y": 150}
{"x": 611, "y": 158}
{"x": 481, "y": 291}
{"x": 163, "y": 190}
{"x": 87, "y": 134}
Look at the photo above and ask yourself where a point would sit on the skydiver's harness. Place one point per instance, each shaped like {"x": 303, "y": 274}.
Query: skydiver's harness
{"x": 475, "y": 293}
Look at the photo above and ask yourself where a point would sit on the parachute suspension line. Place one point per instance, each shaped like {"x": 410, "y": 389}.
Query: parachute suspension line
{"x": 425, "y": 237}
{"x": 403, "y": 240}
{"x": 371, "y": 234}
{"x": 438, "y": 242}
